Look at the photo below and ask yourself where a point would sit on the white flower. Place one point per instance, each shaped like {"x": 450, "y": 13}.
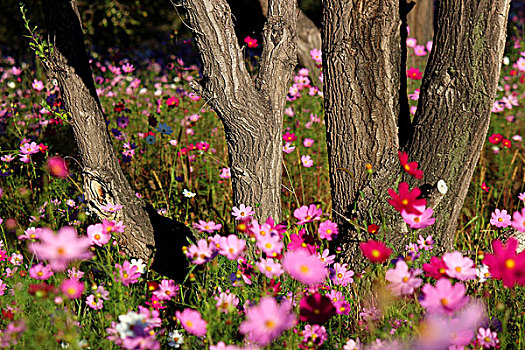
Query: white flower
{"x": 188, "y": 194}
{"x": 483, "y": 273}
{"x": 139, "y": 264}
{"x": 442, "y": 187}
{"x": 128, "y": 322}
{"x": 506, "y": 60}
{"x": 175, "y": 339}
{"x": 352, "y": 345}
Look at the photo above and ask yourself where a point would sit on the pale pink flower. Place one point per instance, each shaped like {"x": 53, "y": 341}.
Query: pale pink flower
{"x": 61, "y": 248}
{"x": 97, "y": 235}
{"x": 267, "y": 320}
{"x": 487, "y": 338}
{"x": 419, "y": 50}
{"x": 243, "y": 212}
{"x": 307, "y": 214}
{"x": 166, "y": 290}
{"x": 304, "y": 267}
{"x": 426, "y": 243}
{"x": 29, "y": 148}
{"x": 269, "y": 268}
{"x": 202, "y": 252}
{"x": 518, "y": 220}
{"x": 225, "y": 173}
{"x": 113, "y": 226}
{"x": 444, "y": 298}
{"x": 192, "y": 322}
{"x": 307, "y": 161}
{"x": 325, "y": 257}
{"x": 500, "y": 218}
{"x": 209, "y": 226}
{"x": 288, "y": 147}
{"x": 226, "y": 302}
{"x": 328, "y": 230}
{"x": 459, "y": 267}
{"x": 111, "y": 208}
{"x": 75, "y": 274}
{"x": 402, "y": 279}
{"x": 271, "y": 245}
{"x": 127, "y": 274}
{"x": 308, "y": 142}
{"x": 40, "y": 272}
{"x": 341, "y": 275}
{"x": 32, "y": 233}
{"x": 95, "y": 303}
{"x": 231, "y": 247}
{"x": 128, "y": 68}
{"x": 37, "y": 85}
{"x": 417, "y": 221}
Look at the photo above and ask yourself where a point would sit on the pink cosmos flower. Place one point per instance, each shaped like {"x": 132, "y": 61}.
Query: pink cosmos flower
{"x": 402, "y": 279}
{"x": 518, "y": 220}
{"x": 269, "y": 268}
{"x": 444, "y": 298}
{"x": 75, "y": 274}
{"x": 95, "y": 303}
{"x": 505, "y": 263}
{"x": 375, "y": 251}
{"x": 406, "y": 200}
{"x": 341, "y": 275}
{"x": 32, "y": 233}
{"x": 231, "y": 247}
{"x": 166, "y": 290}
{"x": 225, "y": 173}
{"x": 307, "y": 161}
{"x": 316, "y": 55}
{"x": 61, "y": 248}
{"x": 37, "y": 85}
{"x": 308, "y": 142}
{"x": 304, "y": 267}
{"x": 192, "y": 322}
{"x": 419, "y": 50}
{"x": 425, "y": 243}
{"x": 72, "y": 289}
{"x": 271, "y": 245}
{"x": 97, "y": 235}
{"x": 415, "y": 95}
{"x": 414, "y": 73}
{"x": 113, "y": 226}
{"x": 128, "y": 273}
{"x": 243, "y": 212}
{"x": 328, "y": 230}
{"x": 128, "y": 68}
{"x": 288, "y": 148}
{"x": 226, "y": 302}
{"x": 307, "y": 214}
{"x": 202, "y": 252}
{"x": 487, "y": 338}
{"x": 316, "y": 308}
{"x": 252, "y": 43}
{"x": 111, "y": 208}
{"x": 267, "y": 320}
{"x": 459, "y": 267}
{"x": 29, "y": 148}
{"x": 289, "y": 137}
{"x": 40, "y": 272}
{"x": 417, "y": 221}
{"x": 301, "y": 241}
{"x": 500, "y": 218}
{"x": 209, "y": 226}
{"x": 411, "y": 42}
{"x": 326, "y": 258}
{"x": 436, "y": 268}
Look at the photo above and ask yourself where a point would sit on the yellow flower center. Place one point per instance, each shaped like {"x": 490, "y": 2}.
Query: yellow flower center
{"x": 376, "y": 253}
{"x": 500, "y": 219}
{"x": 189, "y": 324}
{"x": 268, "y": 245}
{"x": 270, "y": 324}
{"x": 510, "y": 263}
{"x": 97, "y": 236}
{"x": 458, "y": 269}
{"x": 304, "y": 269}
{"x": 405, "y": 279}
{"x": 417, "y": 219}
{"x": 329, "y": 231}
{"x": 317, "y": 311}
{"x": 444, "y": 301}
{"x": 71, "y": 291}
{"x": 404, "y": 202}
{"x": 125, "y": 275}
{"x": 61, "y": 251}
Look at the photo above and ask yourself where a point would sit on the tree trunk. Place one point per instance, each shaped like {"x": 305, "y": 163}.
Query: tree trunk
{"x": 421, "y": 21}
{"x": 251, "y": 111}
{"x": 104, "y": 181}
{"x": 308, "y": 38}
{"x": 367, "y": 120}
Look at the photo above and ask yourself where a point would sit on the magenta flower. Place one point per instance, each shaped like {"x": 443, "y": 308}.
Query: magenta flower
{"x": 267, "y": 320}
{"x": 487, "y": 338}
{"x": 307, "y": 214}
{"x": 414, "y": 73}
{"x": 72, "y": 289}
{"x": 316, "y": 308}
{"x": 500, "y": 218}
{"x": 127, "y": 273}
{"x": 328, "y": 230}
{"x": 40, "y": 272}
{"x": 61, "y": 248}
{"x": 300, "y": 241}
{"x": 231, "y": 247}
{"x": 402, "y": 279}
{"x": 444, "y": 298}
{"x": 192, "y": 322}
{"x": 304, "y": 267}
{"x": 37, "y": 85}
{"x": 459, "y": 267}
{"x": 518, "y": 220}
{"x": 243, "y": 212}
{"x": 113, "y": 226}
{"x": 417, "y": 221}
{"x": 436, "y": 268}
{"x": 406, "y": 199}
{"x": 97, "y": 235}
{"x": 425, "y": 243}
{"x": 505, "y": 264}
{"x": 57, "y": 167}
{"x": 209, "y": 226}
{"x": 251, "y": 42}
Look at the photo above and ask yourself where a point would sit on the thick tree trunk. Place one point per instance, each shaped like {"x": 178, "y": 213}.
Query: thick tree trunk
{"x": 421, "y": 21}
{"x": 104, "y": 181}
{"x": 251, "y": 111}
{"x": 308, "y": 38}
{"x": 367, "y": 121}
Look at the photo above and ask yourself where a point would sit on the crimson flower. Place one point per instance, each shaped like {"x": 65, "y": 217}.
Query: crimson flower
{"x": 375, "y": 251}
{"x": 485, "y": 187}
{"x": 406, "y": 200}
{"x": 506, "y": 143}
{"x": 373, "y": 229}
{"x": 505, "y": 264}
{"x": 316, "y": 308}
{"x": 251, "y": 42}
{"x": 495, "y": 139}
{"x": 436, "y": 268}
{"x": 411, "y": 167}
{"x": 289, "y": 137}
{"x": 414, "y": 73}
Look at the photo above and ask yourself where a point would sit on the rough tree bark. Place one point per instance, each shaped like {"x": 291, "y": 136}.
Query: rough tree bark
{"x": 367, "y": 120}
{"x": 104, "y": 181}
{"x": 421, "y": 21}
{"x": 251, "y": 111}
{"x": 308, "y": 38}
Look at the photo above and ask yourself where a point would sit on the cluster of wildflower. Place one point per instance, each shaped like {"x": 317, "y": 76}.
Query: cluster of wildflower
{"x": 136, "y": 330}
{"x": 302, "y": 82}
{"x": 199, "y": 147}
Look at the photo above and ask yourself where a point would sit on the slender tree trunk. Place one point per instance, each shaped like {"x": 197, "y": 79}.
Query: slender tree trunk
{"x": 104, "y": 181}
{"x": 251, "y": 111}
{"x": 308, "y": 38}
{"x": 367, "y": 121}
{"x": 421, "y": 21}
